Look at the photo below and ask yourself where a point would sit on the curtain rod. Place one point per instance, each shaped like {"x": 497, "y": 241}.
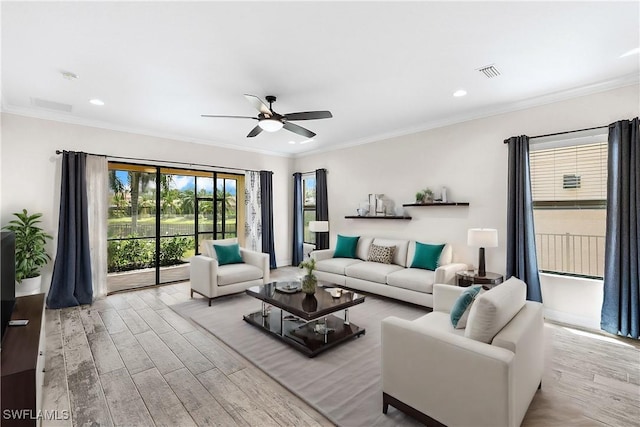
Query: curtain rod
{"x": 564, "y": 133}
{"x": 307, "y": 173}
{"x": 167, "y": 161}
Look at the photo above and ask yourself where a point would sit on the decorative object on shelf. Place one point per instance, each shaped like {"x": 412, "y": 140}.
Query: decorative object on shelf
{"x": 419, "y": 197}
{"x": 399, "y": 211}
{"x": 482, "y": 238}
{"x": 362, "y": 211}
{"x": 443, "y": 195}
{"x": 376, "y": 204}
{"x": 309, "y": 281}
{"x": 428, "y": 196}
{"x": 31, "y": 254}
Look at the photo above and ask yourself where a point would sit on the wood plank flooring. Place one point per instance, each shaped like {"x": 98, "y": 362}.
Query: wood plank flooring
{"x": 130, "y": 360}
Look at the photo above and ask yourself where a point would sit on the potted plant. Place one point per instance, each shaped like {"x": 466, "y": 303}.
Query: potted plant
{"x": 419, "y": 197}
{"x": 31, "y": 255}
{"x": 427, "y": 195}
{"x": 309, "y": 280}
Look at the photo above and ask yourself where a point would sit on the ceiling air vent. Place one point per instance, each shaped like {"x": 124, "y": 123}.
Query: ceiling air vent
{"x": 51, "y": 105}
{"x": 489, "y": 71}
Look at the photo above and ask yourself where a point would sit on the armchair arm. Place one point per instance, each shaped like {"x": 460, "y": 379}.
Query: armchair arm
{"x": 321, "y": 254}
{"x": 434, "y": 371}
{"x": 203, "y": 275}
{"x": 444, "y": 296}
{"x": 258, "y": 259}
{"x": 447, "y": 273}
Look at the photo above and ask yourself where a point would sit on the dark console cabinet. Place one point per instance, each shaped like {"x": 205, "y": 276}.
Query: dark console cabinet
{"x": 23, "y": 363}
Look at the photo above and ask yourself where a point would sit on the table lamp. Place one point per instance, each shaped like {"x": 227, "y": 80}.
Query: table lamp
{"x": 319, "y": 226}
{"x": 482, "y": 238}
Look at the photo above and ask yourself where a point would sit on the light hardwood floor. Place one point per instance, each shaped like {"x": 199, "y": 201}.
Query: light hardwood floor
{"x": 130, "y": 360}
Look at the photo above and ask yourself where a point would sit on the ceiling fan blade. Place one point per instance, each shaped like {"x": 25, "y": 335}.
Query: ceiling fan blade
{"x": 298, "y": 129}
{"x": 258, "y": 104}
{"x": 309, "y": 115}
{"x": 228, "y": 117}
{"x": 255, "y": 131}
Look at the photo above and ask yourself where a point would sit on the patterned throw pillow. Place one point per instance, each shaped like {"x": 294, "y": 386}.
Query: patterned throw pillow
{"x": 382, "y": 254}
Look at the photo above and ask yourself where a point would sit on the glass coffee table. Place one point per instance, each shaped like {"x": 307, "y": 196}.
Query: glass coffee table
{"x": 307, "y": 323}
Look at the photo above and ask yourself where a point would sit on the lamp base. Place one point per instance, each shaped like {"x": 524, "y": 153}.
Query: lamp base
{"x": 481, "y": 266}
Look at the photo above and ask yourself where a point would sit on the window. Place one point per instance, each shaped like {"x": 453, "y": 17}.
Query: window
{"x": 569, "y": 185}
{"x": 309, "y": 206}
{"x": 158, "y": 216}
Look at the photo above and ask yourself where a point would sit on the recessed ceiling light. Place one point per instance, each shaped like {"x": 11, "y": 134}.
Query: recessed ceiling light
{"x": 459, "y": 93}
{"x": 96, "y": 101}
{"x": 292, "y": 142}
{"x": 631, "y": 52}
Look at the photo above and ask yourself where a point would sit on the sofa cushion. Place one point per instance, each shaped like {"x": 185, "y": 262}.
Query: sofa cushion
{"x": 494, "y": 309}
{"x": 426, "y": 256}
{"x": 382, "y": 254}
{"x": 236, "y": 273}
{"x": 446, "y": 256}
{"x": 206, "y": 247}
{"x": 461, "y": 308}
{"x": 228, "y": 254}
{"x": 335, "y": 265}
{"x": 346, "y": 246}
{"x": 413, "y": 279}
{"x": 400, "y": 254}
{"x": 371, "y": 271}
{"x": 362, "y": 250}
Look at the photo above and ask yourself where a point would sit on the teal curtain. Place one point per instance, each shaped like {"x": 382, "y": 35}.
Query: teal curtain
{"x": 621, "y": 303}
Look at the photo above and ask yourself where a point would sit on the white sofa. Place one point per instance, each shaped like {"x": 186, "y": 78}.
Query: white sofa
{"x": 483, "y": 375}
{"x": 212, "y": 280}
{"x": 396, "y": 280}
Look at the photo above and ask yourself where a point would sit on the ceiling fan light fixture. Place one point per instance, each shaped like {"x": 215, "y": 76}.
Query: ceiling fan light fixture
{"x": 270, "y": 125}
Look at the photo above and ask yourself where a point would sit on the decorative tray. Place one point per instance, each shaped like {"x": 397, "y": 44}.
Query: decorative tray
{"x": 289, "y": 287}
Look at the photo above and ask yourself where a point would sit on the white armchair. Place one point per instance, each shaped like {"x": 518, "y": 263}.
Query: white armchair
{"x": 212, "y": 280}
{"x": 442, "y": 376}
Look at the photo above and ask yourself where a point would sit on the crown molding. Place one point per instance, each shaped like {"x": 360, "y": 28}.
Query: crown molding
{"x": 56, "y": 117}
{"x": 623, "y": 81}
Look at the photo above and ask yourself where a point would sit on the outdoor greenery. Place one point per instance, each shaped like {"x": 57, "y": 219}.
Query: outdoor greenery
{"x": 134, "y": 254}
{"x": 31, "y": 255}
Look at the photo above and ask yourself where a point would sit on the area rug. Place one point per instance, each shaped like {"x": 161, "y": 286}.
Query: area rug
{"x": 343, "y": 383}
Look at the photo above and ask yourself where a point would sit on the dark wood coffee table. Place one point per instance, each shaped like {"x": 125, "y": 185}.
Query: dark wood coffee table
{"x": 305, "y": 322}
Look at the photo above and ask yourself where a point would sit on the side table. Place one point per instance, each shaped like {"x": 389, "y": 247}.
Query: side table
{"x": 470, "y": 277}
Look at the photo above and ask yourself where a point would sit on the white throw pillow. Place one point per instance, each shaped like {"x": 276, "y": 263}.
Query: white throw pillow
{"x": 494, "y": 309}
{"x": 207, "y": 246}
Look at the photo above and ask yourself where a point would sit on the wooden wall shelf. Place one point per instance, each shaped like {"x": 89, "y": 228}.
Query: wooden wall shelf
{"x": 378, "y": 217}
{"x": 436, "y": 204}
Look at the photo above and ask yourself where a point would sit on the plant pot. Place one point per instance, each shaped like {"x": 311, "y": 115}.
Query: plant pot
{"x": 309, "y": 284}
{"x": 29, "y": 286}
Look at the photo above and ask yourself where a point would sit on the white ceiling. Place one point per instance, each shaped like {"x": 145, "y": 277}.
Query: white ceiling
{"x": 382, "y": 68}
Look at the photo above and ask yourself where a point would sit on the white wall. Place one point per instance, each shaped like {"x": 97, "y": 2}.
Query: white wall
{"x": 30, "y": 173}
{"x": 469, "y": 158}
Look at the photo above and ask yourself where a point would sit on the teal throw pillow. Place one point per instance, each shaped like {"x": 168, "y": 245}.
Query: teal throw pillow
{"x": 462, "y": 306}
{"x": 346, "y": 247}
{"x": 426, "y": 256}
{"x": 228, "y": 254}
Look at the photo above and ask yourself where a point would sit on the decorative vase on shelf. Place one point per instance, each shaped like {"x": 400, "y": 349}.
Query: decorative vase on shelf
{"x": 309, "y": 284}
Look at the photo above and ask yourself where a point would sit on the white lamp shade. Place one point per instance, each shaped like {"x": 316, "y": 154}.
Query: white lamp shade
{"x": 482, "y": 237}
{"x": 270, "y": 125}
{"x": 319, "y": 226}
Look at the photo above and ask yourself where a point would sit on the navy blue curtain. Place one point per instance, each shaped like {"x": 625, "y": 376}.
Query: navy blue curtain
{"x": 266, "y": 196}
{"x": 621, "y": 304}
{"x": 521, "y": 242}
{"x": 298, "y": 224}
{"x": 71, "y": 282}
{"x": 322, "y": 207}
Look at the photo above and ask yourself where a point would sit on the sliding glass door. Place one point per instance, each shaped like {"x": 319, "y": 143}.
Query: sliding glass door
{"x": 157, "y": 218}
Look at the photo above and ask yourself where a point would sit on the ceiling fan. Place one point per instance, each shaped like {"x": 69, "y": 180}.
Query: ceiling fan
{"x": 270, "y": 121}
